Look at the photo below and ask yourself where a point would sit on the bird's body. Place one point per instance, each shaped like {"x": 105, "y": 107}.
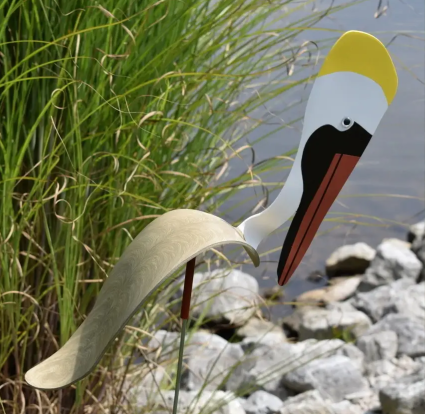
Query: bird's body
{"x": 164, "y": 246}
{"x": 356, "y": 84}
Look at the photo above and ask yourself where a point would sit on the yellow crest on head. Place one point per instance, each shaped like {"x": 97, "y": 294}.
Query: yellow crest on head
{"x": 364, "y": 54}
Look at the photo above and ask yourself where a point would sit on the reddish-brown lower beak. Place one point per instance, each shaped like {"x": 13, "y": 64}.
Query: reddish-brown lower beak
{"x": 337, "y": 174}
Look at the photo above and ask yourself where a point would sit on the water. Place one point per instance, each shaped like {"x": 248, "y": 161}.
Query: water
{"x": 394, "y": 162}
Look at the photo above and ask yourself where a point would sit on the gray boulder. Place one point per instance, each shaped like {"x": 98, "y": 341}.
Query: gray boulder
{"x": 420, "y": 359}
{"x": 265, "y": 366}
{"x": 340, "y": 289}
{"x": 161, "y": 401}
{"x": 291, "y": 324}
{"x": 222, "y": 295}
{"x": 416, "y": 231}
{"x": 350, "y": 259}
{"x": 367, "y": 400}
{"x": 163, "y": 346}
{"x": 270, "y": 339}
{"x": 260, "y": 331}
{"x": 263, "y": 369}
{"x": 262, "y": 402}
{"x": 336, "y": 318}
{"x": 409, "y": 301}
{"x": 418, "y": 248}
{"x": 378, "y": 302}
{"x": 410, "y": 333}
{"x": 153, "y": 378}
{"x": 310, "y": 402}
{"x": 346, "y": 407}
{"x": 405, "y": 395}
{"x": 334, "y": 377}
{"x": 397, "y": 242}
{"x": 141, "y": 376}
{"x": 381, "y": 373}
{"x": 392, "y": 262}
{"x": 356, "y": 355}
{"x": 210, "y": 359}
{"x": 378, "y": 346}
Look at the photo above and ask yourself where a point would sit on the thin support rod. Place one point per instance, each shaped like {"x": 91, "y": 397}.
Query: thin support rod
{"x": 179, "y": 367}
{"x": 184, "y": 314}
{"x": 187, "y": 290}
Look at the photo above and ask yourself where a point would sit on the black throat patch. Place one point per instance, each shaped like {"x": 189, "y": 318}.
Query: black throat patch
{"x": 318, "y": 154}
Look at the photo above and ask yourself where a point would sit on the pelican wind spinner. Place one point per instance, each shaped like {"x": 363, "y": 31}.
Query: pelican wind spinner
{"x": 352, "y": 92}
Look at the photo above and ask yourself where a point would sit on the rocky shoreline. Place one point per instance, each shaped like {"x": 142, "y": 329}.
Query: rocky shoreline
{"x": 356, "y": 346}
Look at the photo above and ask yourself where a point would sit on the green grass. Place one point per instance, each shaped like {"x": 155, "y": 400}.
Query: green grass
{"x": 113, "y": 113}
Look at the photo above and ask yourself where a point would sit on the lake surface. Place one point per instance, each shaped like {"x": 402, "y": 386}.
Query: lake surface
{"x": 393, "y": 164}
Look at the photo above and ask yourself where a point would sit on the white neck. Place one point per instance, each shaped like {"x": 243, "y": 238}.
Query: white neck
{"x": 258, "y": 226}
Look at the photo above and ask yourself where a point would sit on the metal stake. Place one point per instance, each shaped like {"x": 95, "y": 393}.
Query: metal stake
{"x": 187, "y": 294}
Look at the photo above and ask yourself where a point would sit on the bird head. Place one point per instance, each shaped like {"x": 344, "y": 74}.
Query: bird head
{"x": 352, "y": 92}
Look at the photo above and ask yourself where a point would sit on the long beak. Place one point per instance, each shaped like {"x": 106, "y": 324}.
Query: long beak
{"x": 325, "y": 169}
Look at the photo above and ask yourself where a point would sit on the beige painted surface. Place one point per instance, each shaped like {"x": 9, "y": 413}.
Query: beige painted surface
{"x": 159, "y": 250}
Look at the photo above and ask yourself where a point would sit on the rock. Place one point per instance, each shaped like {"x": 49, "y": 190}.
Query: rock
{"x": 339, "y": 291}
{"x": 392, "y": 262}
{"x": 405, "y": 395}
{"x": 354, "y": 354}
{"x": 383, "y": 372}
{"x": 262, "y": 402}
{"x": 220, "y": 295}
{"x": 418, "y": 248}
{"x": 210, "y": 359}
{"x": 270, "y": 339}
{"x": 350, "y": 259}
{"x": 349, "y": 283}
{"x": 217, "y": 402}
{"x": 141, "y": 376}
{"x": 334, "y": 377}
{"x": 163, "y": 345}
{"x": 420, "y": 359}
{"x": 214, "y": 402}
{"x": 242, "y": 401}
{"x": 152, "y": 378}
{"x": 376, "y": 303}
{"x": 345, "y": 407}
{"x": 397, "y": 243}
{"x": 261, "y": 331}
{"x": 310, "y": 402}
{"x": 378, "y": 346}
{"x": 416, "y": 231}
{"x": 337, "y": 318}
{"x": 291, "y": 324}
{"x": 410, "y": 333}
{"x": 265, "y": 366}
{"x": 410, "y": 301}
{"x": 312, "y": 298}
{"x": 367, "y": 400}
{"x": 263, "y": 369}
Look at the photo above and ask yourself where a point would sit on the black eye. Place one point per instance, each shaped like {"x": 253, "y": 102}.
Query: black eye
{"x": 347, "y": 122}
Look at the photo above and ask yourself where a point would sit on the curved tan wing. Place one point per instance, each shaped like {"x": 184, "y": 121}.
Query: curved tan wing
{"x": 159, "y": 250}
